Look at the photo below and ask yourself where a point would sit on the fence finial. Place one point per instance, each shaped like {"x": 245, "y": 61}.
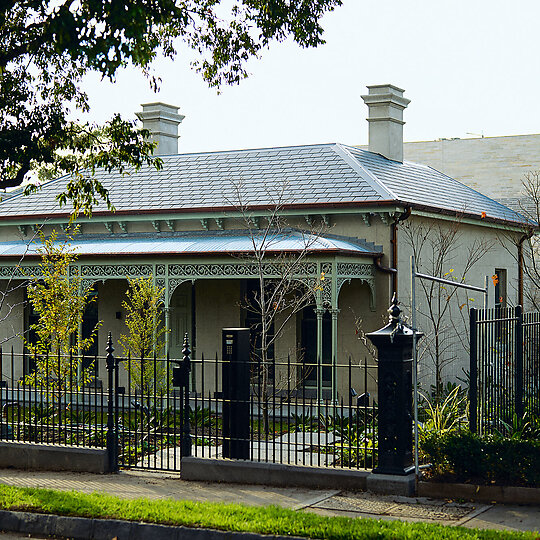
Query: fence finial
{"x": 394, "y": 311}
{"x": 185, "y": 348}
{"x": 110, "y": 348}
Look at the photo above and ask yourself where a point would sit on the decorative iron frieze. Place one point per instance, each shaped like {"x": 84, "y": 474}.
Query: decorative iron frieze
{"x": 116, "y": 270}
{"x": 326, "y": 268}
{"x": 355, "y": 270}
{"x": 160, "y": 284}
{"x": 174, "y": 283}
{"x": 239, "y": 269}
{"x": 17, "y": 272}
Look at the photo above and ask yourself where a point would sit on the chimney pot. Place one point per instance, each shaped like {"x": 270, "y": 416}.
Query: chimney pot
{"x": 386, "y": 104}
{"x": 162, "y": 121}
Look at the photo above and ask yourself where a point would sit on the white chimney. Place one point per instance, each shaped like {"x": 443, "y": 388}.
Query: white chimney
{"x": 386, "y": 103}
{"x": 162, "y": 121}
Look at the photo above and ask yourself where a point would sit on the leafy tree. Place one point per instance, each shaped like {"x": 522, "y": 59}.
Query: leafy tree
{"x": 145, "y": 338}
{"x": 59, "y": 301}
{"x": 47, "y": 46}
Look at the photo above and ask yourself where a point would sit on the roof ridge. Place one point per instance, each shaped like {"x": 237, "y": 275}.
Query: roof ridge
{"x": 244, "y": 150}
{"x": 371, "y": 179}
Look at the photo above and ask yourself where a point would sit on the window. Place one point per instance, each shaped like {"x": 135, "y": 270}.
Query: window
{"x": 500, "y": 288}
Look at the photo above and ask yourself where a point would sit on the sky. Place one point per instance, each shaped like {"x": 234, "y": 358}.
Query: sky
{"x": 469, "y": 67}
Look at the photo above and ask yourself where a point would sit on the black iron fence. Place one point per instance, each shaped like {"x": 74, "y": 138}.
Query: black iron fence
{"x": 292, "y": 420}
{"x": 150, "y": 413}
{"x": 51, "y": 409}
{"x": 504, "y": 367}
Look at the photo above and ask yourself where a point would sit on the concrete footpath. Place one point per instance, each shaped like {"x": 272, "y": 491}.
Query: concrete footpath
{"x": 153, "y": 485}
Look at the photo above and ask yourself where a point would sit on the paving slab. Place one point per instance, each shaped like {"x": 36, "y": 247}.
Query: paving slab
{"x": 506, "y": 517}
{"x": 366, "y": 504}
{"x": 286, "y": 454}
{"x": 153, "y": 485}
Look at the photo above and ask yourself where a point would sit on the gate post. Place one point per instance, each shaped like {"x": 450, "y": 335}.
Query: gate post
{"x": 395, "y": 470}
{"x": 236, "y": 398}
{"x": 473, "y": 370}
{"x": 519, "y": 407}
{"x": 112, "y": 435}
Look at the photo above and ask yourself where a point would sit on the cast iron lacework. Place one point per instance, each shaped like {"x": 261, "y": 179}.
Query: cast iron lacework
{"x": 19, "y": 271}
{"x": 239, "y": 269}
{"x": 116, "y": 270}
{"x": 174, "y": 283}
{"x": 160, "y": 283}
{"x": 172, "y": 275}
{"x": 355, "y": 269}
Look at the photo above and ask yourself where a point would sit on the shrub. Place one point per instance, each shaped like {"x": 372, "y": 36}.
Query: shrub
{"x": 491, "y": 458}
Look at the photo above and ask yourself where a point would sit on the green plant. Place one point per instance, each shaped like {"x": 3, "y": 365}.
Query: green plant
{"x": 145, "y": 337}
{"x": 521, "y": 428}
{"x": 484, "y": 459}
{"x": 202, "y": 417}
{"x": 444, "y": 415}
{"x": 356, "y": 449}
{"x": 58, "y": 298}
{"x": 304, "y": 422}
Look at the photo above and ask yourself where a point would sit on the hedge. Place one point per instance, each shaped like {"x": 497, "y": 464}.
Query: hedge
{"x": 490, "y": 458}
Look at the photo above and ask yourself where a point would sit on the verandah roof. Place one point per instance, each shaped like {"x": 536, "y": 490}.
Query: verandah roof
{"x": 199, "y": 243}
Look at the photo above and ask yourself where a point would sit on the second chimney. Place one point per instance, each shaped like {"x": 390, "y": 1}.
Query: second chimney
{"x": 386, "y": 103}
{"x": 162, "y": 121}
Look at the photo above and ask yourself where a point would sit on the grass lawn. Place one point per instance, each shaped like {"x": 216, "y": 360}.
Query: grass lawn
{"x": 229, "y": 517}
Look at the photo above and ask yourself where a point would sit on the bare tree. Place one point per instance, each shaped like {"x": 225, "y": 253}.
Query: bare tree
{"x": 280, "y": 255}
{"x": 529, "y": 206}
{"x": 437, "y": 249}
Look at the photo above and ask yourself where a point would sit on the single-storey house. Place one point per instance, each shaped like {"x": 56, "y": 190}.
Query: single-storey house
{"x": 183, "y": 226}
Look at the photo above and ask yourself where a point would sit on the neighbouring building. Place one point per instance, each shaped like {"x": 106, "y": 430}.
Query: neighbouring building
{"x": 183, "y": 226}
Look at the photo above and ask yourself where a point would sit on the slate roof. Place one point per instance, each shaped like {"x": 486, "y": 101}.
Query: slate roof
{"x": 199, "y": 242}
{"x": 325, "y": 174}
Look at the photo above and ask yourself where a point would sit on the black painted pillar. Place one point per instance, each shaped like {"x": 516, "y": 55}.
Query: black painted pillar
{"x": 112, "y": 411}
{"x": 236, "y": 397}
{"x": 395, "y": 364}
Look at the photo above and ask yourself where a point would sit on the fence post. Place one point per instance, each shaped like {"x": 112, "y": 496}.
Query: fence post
{"x": 473, "y": 370}
{"x": 236, "y": 395}
{"x": 394, "y": 344}
{"x": 112, "y": 436}
{"x": 518, "y": 369}
{"x": 185, "y": 445}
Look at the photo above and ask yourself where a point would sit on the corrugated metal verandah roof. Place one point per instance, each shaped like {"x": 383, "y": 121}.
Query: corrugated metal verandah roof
{"x": 200, "y": 242}
{"x": 319, "y": 175}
